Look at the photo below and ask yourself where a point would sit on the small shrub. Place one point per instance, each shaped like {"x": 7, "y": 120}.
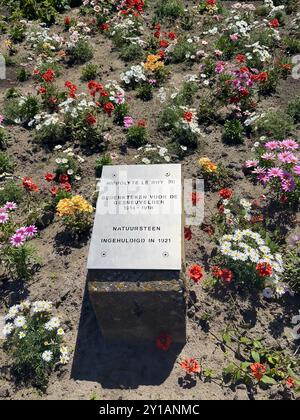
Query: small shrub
{"x": 75, "y": 213}
{"x": 81, "y": 52}
{"x": 22, "y": 75}
{"x": 186, "y": 95}
{"x": 34, "y": 339}
{"x": 276, "y": 124}
{"x": 292, "y": 45}
{"x": 102, "y": 161}
{"x": 171, "y": 9}
{"x": 10, "y": 191}
{"x": 233, "y": 132}
{"x": 136, "y": 136}
{"x": 131, "y": 52}
{"x": 17, "y": 32}
{"x": 21, "y": 110}
{"x": 145, "y": 91}
{"x": 3, "y": 138}
{"x": 120, "y": 112}
{"x": 5, "y": 163}
{"x": 183, "y": 51}
{"x": 89, "y": 72}
{"x": 294, "y": 109}
{"x": 185, "y": 137}
{"x": 169, "y": 118}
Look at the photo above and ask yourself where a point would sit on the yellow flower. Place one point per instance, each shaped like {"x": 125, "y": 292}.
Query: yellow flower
{"x": 153, "y": 63}
{"x": 8, "y": 43}
{"x": 207, "y": 165}
{"x": 73, "y": 206}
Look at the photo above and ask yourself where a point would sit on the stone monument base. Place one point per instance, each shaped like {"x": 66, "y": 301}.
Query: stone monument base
{"x": 136, "y": 306}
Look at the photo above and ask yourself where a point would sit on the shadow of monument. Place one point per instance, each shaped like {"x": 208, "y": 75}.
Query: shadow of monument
{"x": 117, "y": 365}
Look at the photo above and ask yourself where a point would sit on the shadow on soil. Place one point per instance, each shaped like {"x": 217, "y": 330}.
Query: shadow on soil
{"x": 119, "y": 365}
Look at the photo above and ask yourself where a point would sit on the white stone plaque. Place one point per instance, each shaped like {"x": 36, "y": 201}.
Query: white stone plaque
{"x": 138, "y": 221}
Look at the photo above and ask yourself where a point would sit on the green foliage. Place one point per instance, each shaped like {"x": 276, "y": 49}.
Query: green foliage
{"x": 10, "y": 191}
{"x": 184, "y": 137}
{"x": 102, "y": 161}
{"x": 121, "y": 111}
{"x": 275, "y": 124}
{"x": 145, "y": 91}
{"x": 22, "y": 75}
{"x": 81, "y": 52}
{"x": 294, "y": 109}
{"x": 136, "y": 136}
{"x": 183, "y": 51}
{"x": 186, "y": 95}
{"x": 51, "y": 135}
{"x": 89, "y": 72}
{"x": 131, "y": 52}
{"x": 206, "y": 111}
{"x": 168, "y": 118}
{"x": 17, "y": 32}
{"x": 3, "y": 138}
{"x": 171, "y": 9}
{"x": 19, "y": 261}
{"x": 21, "y": 110}
{"x": 43, "y": 10}
{"x": 6, "y": 164}
{"x": 292, "y": 268}
{"x": 292, "y": 45}
{"x": 233, "y": 132}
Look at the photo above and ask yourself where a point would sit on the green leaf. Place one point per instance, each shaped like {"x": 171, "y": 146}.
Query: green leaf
{"x": 255, "y": 356}
{"x": 268, "y": 380}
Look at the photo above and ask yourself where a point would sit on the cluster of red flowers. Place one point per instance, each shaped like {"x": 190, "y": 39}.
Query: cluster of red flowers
{"x": 91, "y": 119}
{"x": 104, "y": 27}
{"x": 195, "y": 273}
{"x": 29, "y": 185}
{"x": 264, "y": 269}
{"x": 274, "y": 23}
{"x": 48, "y": 76}
{"x": 163, "y": 341}
{"x": 188, "y": 116}
{"x": 63, "y": 181}
{"x": 211, "y": 2}
{"x": 258, "y": 370}
{"x": 72, "y": 88}
{"x": 222, "y": 273}
{"x": 190, "y": 366}
{"x": 225, "y": 193}
{"x": 94, "y": 88}
{"x": 163, "y": 38}
{"x": 135, "y": 7}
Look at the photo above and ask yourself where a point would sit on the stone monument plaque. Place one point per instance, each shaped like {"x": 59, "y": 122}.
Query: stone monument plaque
{"x": 135, "y": 278}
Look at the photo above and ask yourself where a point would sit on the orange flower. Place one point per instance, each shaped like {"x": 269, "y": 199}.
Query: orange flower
{"x": 225, "y": 193}
{"x": 290, "y": 382}
{"x": 190, "y": 366}
{"x": 258, "y": 370}
{"x": 195, "y": 273}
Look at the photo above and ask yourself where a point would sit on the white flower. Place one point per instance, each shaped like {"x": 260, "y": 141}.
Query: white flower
{"x": 20, "y": 321}
{"x": 8, "y": 329}
{"x": 12, "y": 313}
{"x": 47, "y": 356}
{"x": 60, "y": 331}
{"x": 21, "y": 335}
{"x": 64, "y": 359}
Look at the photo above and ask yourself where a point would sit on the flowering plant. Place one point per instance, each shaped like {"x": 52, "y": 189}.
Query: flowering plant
{"x": 277, "y": 166}
{"x": 247, "y": 255}
{"x": 75, "y": 213}
{"x": 215, "y": 175}
{"x": 34, "y": 339}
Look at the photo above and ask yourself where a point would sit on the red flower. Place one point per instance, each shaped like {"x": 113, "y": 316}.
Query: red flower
{"x": 163, "y": 341}
{"x": 49, "y": 75}
{"x": 221, "y": 209}
{"x": 156, "y": 34}
{"x": 261, "y": 77}
{"x": 142, "y": 123}
{"x": 274, "y": 23}
{"x": 258, "y": 370}
{"x": 172, "y": 35}
{"x": 195, "y": 273}
{"x": 63, "y": 179}
{"x": 225, "y": 193}
{"x": 67, "y": 21}
{"x": 188, "y": 116}
{"x": 290, "y": 382}
{"x": 49, "y": 177}
{"x": 42, "y": 90}
{"x": 264, "y": 269}
{"x": 187, "y": 233}
{"x": 104, "y": 27}
{"x": 66, "y": 186}
{"x": 54, "y": 190}
{"x": 108, "y": 108}
{"x": 91, "y": 119}
{"x": 72, "y": 88}
{"x": 211, "y": 2}
{"x": 209, "y": 229}
{"x": 190, "y": 366}
{"x": 29, "y": 185}
{"x": 36, "y": 72}
{"x": 241, "y": 58}
{"x": 163, "y": 43}
{"x": 157, "y": 26}
{"x": 244, "y": 69}
{"x": 216, "y": 271}
{"x": 227, "y": 275}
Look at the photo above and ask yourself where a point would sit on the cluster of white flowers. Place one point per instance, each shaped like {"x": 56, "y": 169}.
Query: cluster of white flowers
{"x": 260, "y": 50}
{"x": 230, "y": 218}
{"x": 243, "y": 6}
{"x": 116, "y": 93}
{"x": 80, "y": 31}
{"x": 134, "y": 74}
{"x": 127, "y": 26}
{"x": 44, "y": 119}
{"x": 192, "y": 124}
{"x": 273, "y": 9}
{"x": 248, "y": 246}
{"x": 41, "y": 306}
{"x": 74, "y": 107}
{"x": 41, "y": 37}
{"x": 162, "y": 152}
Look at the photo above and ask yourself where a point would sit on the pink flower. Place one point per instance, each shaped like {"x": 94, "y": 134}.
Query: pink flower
{"x": 288, "y": 183}
{"x": 4, "y": 218}
{"x": 268, "y": 156}
{"x": 17, "y": 240}
{"x": 234, "y": 37}
{"x": 31, "y": 230}
{"x": 10, "y": 205}
{"x": 219, "y": 67}
{"x": 275, "y": 173}
{"x": 1, "y": 119}
{"x": 289, "y": 144}
{"x": 272, "y": 145}
{"x": 128, "y": 122}
{"x": 287, "y": 157}
{"x": 297, "y": 170}
{"x": 21, "y": 231}
{"x": 251, "y": 163}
